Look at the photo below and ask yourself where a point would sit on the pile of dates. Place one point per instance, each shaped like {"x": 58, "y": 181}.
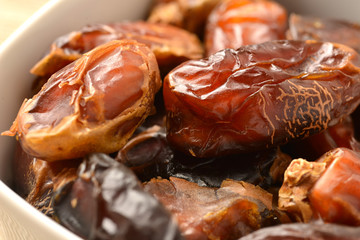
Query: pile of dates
{"x": 209, "y": 119}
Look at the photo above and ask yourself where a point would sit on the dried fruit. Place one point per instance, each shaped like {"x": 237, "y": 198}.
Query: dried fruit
{"x": 188, "y": 14}
{"x": 92, "y": 105}
{"x": 335, "y": 197}
{"x": 149, "y": 156}
{"x": 106, "y": 201}
{"x": 322, "y": 29}
{"x": 171, "y": 45}
{"x": 235, "y": 23}
{"x": 259, "y": 96}
{"x": 232, "y": 211}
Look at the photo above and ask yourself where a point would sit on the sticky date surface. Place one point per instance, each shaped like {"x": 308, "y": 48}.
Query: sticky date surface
{"x": 171, "y": 45}
{"x": 106, "y": 201}
{"x": 92, "y": 105}
{"x": 259, "y": 96}
{"x": 236, "y": 23}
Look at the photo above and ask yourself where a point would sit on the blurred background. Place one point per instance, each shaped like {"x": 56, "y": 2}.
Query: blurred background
{"x": 15, "y": 12}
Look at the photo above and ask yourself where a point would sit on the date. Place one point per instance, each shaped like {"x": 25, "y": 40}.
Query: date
{"x": 335, "y": 197}
{"x": 80, "y": 111}
{"x": 106, "y": 201}
{"x": 322, "y": 29}
{"x": 149, "y": 155}
{"x": 339, "y": 135}
{"x": 171, "y": 45}
{"x": 187, "y": 14}
{"x": 259, "y": 96}
{"x": 229, "y": 212}
{"x": 235, "y": 23}
{"x": 327, "y": 189}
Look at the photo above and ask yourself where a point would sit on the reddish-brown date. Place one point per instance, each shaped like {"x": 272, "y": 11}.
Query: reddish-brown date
{"x": 259, "y": 96}
{"x": 322, "y": 29}
{"x": 235, "y": 23}
{"x": 229, "y": 212}
{"x": 171, "y": 45}
{"x": 92, "y": 105}
{"x": 335, "y": 197}
{"x": 328, "y": 189}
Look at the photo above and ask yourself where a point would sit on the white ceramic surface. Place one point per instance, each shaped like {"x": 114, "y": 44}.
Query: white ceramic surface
{"x": 18, "y": 220}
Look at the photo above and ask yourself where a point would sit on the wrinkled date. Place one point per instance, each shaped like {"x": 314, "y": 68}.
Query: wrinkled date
{"x": 259, "y": 96}
{"x": 231, "y": 211}
{"x": 236, "y": 23}
{"x": 92, "y": 105}
{"x": 327, "y": 189}
{"x": 106, "y": 201}
{"x": 339, "y": 135}
{"x": 171, "y": 45}
{"x": 335, "y": 197}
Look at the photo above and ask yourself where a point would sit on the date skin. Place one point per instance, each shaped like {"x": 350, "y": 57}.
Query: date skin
{"x": 302, "y": 231}
{"x": 92, "y": 105}
{"x": 150, "y": 156}
{"x": 235, "y": 23}
{"x": 322, "y": 29}
{"x": 187, "y": 14}
{"x": 335, "y": 197}
{"x": 259, "y": 96}
{"x": 106, "y": 201}
{"x": 231, "y": 211}
{"x": 171, "y": 45}
{"x": 327, "y": 189}
{"x": 340, "y": 135}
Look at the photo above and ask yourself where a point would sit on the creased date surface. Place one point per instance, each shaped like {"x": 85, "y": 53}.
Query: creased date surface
{"x": 92, "y": 105}
{"x": 259, "y": 96}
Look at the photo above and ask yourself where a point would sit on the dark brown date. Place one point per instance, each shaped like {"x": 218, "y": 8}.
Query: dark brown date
{"x": 92, "y": 105}
{"x": 231, "y": 211}
{"x": 171, "y": 45}
{"x": 235, "y": 23}
{"x": 259, "y": 96}
{"x": 301, "y": 231}
{"x": 149, "y": 156}
{"x": 106, "y": 201}
{"x": 321, "y": 29}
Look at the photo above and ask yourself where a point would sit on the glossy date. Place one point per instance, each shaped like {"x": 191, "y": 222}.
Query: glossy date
{"x": 236, "y": 23}
{"x": 259, "y": 96}
{"x": 106, "y": 201}
{"x": 80, "y": 109}
{"x": 171, "y": 45}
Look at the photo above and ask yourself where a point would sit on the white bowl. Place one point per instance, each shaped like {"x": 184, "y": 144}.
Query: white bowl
{"x": 18, "y": 220}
